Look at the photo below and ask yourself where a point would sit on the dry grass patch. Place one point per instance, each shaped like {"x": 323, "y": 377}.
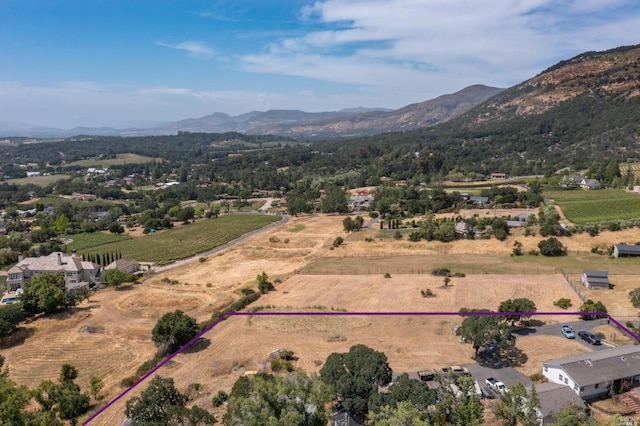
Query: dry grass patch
{"x": 542, "y": 348}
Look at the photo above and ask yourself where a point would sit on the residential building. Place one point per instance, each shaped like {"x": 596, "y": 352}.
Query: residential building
{"x": 76, "y": 272}
{"x": 589, "y": 184}
{"x": 126, "y": 266}
{"x": 554, "y": 398}
{"x": 593, "y": 374}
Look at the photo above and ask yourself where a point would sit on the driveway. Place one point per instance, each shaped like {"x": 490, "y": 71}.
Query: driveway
{"x": 554, "y": 330}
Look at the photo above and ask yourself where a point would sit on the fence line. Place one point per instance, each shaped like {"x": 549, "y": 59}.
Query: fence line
{"x": 573, "y": 286}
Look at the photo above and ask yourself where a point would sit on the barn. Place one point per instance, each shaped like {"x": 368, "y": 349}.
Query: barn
{"x": 595, "y": 279}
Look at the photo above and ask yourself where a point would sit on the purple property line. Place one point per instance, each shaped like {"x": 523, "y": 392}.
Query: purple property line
{"x": 339, "y": 313}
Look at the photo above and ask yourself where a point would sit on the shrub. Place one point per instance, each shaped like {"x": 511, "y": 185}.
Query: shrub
{"x": 415, "y": 237}
{"x": 338, "y": 242}
{"x": 128, "y": 381}
{"x": 202, "y": 259}
{"x": 247, "y": 291}
{"x": 397, "y": 235}
{"x": 628, "y": 324}
{"x": 427, "y": 293}
{"x": 538, "y": 378}
{"x": 517, "y": 248}
{"x": 533, "y": 253}
{"x": 387, "y": 275}
{"x": 220, "y": 398}
{"x": 441, "y": 272}
{"x": 274, "y": 239}
{"x": 563, "y": 303}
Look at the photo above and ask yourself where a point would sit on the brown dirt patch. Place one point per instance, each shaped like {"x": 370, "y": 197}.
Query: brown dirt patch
{"x": 543, "y": 348}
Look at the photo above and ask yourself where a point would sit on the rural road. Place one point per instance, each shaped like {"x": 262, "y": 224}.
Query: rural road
{"x": 196, "y": 257}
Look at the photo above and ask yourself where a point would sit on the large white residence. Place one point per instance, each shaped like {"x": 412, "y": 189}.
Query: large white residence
{"x": 76, "y": 272}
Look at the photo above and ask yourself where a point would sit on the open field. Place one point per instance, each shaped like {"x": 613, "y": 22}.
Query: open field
{"x": 242, "y": 344}
{"x": 185, "y": 241}
{"x": 108, "y": 162}
{"x": 122, "y": 319}
{"x": 583, "y": 207}
{"x": 38, "y": 180}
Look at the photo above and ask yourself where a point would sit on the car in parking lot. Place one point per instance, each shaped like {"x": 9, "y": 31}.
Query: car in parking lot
{"x": 589, "y": 337}
{"x": 567, "y": 331}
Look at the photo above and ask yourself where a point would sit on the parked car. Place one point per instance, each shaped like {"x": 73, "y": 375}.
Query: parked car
{"x": 567, "y": 331}
{"x": 588, "y": 336}
{"x": 427, "y": 375}
{"x": 496, "y": 385}
{"x": 456, "y": 370}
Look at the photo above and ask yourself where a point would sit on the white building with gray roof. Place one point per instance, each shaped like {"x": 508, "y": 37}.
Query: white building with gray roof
{"x": 595, "y": 373}
{"x": 76, "y": 272}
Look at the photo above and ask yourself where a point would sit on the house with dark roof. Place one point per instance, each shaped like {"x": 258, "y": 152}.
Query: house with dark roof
{"x": 625, "y": 250}
{"x": 76, "y": 272}
{"x": 589, "y": 184}
{"x": 593, "y": 374}
{"x": 554, "y": 398}
{"x": 595, "y": 279}
{"x": 477, "y": 200}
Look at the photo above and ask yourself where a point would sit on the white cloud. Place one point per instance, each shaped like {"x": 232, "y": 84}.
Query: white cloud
{"x": 196, "y": 49}
{"x": 428, "y": 47}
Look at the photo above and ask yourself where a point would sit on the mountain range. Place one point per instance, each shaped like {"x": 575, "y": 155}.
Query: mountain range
{"x": 292, "y": 123}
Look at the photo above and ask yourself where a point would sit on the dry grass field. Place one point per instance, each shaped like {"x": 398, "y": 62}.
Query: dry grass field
{"x": 121, "y": 320}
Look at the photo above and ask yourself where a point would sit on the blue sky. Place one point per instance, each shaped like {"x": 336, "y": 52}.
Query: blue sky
{"x": 121, "y": 63}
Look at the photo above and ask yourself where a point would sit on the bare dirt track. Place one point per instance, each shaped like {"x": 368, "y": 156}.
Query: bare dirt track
{"x": 121, "y": 320}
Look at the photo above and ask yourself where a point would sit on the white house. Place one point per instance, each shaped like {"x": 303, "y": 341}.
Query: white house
{"x": 594, "y": 373}
{"x": 76, "y": 272}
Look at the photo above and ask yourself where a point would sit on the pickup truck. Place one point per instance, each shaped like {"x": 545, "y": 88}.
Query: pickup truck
{"x": 496, "y": 385}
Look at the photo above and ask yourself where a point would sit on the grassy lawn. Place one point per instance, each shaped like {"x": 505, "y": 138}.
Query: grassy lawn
{"x": 187, "y": 240}
{"x": 583, "y": 207}
{"x": 84, "y": 241}
{"x": 120, "y": 159}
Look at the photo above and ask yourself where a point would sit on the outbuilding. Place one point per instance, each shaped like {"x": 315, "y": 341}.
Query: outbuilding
{"x": 595, "y": 279}
{"x": 625, "y": 250}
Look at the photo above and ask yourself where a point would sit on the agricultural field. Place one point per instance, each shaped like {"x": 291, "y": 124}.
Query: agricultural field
{"x": 166, "y": 246}
{"x": 634, "y": 167}
{"x": 84, "y": 241}
{"x": 120, "y": 159}
{"x": 583, "y": 207}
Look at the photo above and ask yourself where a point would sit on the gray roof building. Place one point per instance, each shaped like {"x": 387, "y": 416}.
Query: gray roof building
{"x": 554, "y": 398}
{"x": 594, "y": 373}
{"x": 76, "y": 272}
{"x": 595, "y": 279}
{"x": 625, "y": 250}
